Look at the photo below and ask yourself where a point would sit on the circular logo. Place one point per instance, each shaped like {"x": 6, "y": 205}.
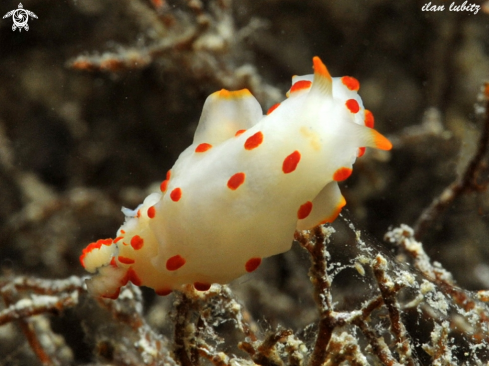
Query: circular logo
{"x": 20, "y": 18}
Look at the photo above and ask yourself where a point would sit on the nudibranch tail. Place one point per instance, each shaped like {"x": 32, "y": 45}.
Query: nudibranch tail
{"x": 238, "y": 193}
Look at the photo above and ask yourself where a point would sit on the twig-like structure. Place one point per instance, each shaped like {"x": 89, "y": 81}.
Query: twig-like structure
{"x": 466, "y": 182}
{"x": 203, "y": 41}
{"x": 389, "y": 291}
{"x": 322, "y": 286}
{"x": 469, "y": 304}
{"x": 184, "y": 348}
{"x": 149, "y": 347}
{"x": 54, "y": 296}
{"x": 330, "y": 320}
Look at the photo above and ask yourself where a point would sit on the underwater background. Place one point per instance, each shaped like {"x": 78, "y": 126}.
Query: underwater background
{"x": 98, "y": 99}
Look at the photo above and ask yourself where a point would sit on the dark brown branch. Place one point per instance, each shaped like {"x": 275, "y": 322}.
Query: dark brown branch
{"x": 389, "y": 293}
{"x": 54, "y": 296}
{"x": 46, "y": 286}
{"x": 217, "y": 358}
{"x": 379, "y": 348}
{"x": 344, "y": 349}
{"x": 126, "y": 310}
{"x": 404, "y": 237}
{"x": 9, "y": 295}
{"x": 30, "y": 308}
{"x": 467, "y": 182}
{"x": 239, "y": 313}
{"x": 315, "y": 244}
{"x": 266, "y": 351}
{"x": 179, "y": 335}
{"x": 184, "y": 354}
{"x": 439, "y": 351}
{"x": 293, "y": 350}
{"x": 322, "y": 294}
{"x": 265, "y": 354}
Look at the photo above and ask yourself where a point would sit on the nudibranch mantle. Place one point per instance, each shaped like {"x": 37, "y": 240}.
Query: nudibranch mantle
{"x": 239, "y": 192}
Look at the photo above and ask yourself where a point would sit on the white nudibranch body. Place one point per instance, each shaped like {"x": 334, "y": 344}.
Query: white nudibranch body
{"x": 239, "y": 192}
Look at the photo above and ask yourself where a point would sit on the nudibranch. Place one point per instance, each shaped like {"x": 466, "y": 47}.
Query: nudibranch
{"x": 239, "y": 192}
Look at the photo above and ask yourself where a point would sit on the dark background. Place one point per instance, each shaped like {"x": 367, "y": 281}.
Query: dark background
{"x": 77, "y": 143}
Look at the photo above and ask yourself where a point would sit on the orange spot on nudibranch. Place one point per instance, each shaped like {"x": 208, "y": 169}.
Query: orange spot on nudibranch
{"x": 290, "y": 162}
{"x": 125, "y": 260}
{"x": 176, "y": 194}
{"x": 369, "y": 119}
{"x": 236, "y": 180}
{"x": 300, "y": 85}
{"x": 361, "y": 151}
{"x": 139, "y": 213}
{"x": 351, "y": 83}
{"x": 133, "y": 277}
{"x": 151, "y": 212}
{"x": 202, "y": 147}
{"x": 342, "y": 174}
{"x": 137, "y": 242}
{"x": 163, "y": 292}
{"x": 175, "y": 262}
{"x": 252, "y": 264}
{"x": 164, "y": 185}
{"x": 272, "y": 108}
{"x": 123, "y": 232}
{"x": 254, "y": 141}
{"x": 118, "y": 238}
{"x": 352, "y": 105}
{"x": 200, "y": 286}
{"x": 304, "y": 210}
{"x": 239, "y": 132}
